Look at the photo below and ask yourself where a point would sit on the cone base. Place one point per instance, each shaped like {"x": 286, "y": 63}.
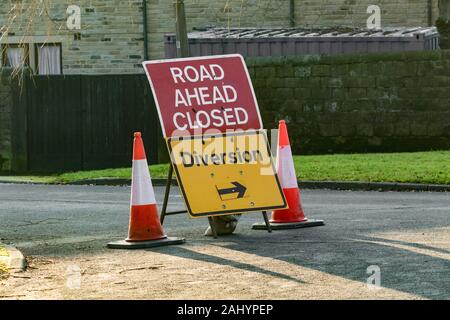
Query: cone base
{"x": 123, "y": 244}
{"x": 289, "y": 225}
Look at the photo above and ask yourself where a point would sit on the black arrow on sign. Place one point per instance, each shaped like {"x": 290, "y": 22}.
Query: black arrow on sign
{"x": 238, "y": 188}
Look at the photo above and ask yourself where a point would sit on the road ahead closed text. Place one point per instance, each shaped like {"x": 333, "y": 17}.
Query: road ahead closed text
{"x": 199, "y": 94}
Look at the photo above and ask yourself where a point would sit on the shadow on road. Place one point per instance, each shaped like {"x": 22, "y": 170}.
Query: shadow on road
{"x": 185, "y": 252}
{"x": 409, "y": 267}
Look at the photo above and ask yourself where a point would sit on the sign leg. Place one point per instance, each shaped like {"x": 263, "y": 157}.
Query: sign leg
{"x": 166, "y": 194}
{"x": 266, "y": 220}
{"x": 213, "y": 227}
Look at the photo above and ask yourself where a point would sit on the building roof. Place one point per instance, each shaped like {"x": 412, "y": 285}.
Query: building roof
{"x": 239, "y": 33}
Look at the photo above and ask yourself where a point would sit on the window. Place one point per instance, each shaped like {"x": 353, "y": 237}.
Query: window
{"x": 48, "y": 58}
{"x": 15, "y": 55}
{"x": 42, "y": 54}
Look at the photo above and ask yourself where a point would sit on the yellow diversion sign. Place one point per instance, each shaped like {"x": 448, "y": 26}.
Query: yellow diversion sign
{"x": 226, "y": 173}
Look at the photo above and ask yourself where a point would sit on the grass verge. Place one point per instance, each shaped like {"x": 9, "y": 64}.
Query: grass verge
{"x": 417, "y": 167}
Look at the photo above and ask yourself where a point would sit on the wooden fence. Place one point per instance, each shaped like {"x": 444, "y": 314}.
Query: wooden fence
{"x": 79, "y": 122}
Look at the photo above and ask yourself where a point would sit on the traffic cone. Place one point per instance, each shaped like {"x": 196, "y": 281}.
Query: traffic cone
{"x": 293, "y": 217}
{"x": 145, "y": 230}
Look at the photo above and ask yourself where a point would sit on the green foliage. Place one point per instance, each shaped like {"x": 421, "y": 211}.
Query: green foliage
{"x": 443, "y": 26}
{"x": 416, "y": 167}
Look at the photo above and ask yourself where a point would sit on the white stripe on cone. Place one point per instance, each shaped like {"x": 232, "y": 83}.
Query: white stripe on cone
{"x": 285, "y": 168}
{"x": 141, "y": 186}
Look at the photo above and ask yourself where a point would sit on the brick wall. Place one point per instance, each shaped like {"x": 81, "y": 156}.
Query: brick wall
{"x": 111, "y": 35}
{"x": 5, "y": 119}
{"x": 357, "y": 103}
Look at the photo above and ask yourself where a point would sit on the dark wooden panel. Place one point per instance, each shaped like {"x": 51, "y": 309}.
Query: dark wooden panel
{"x": 54, "y": 123}
{"x": 19, "y": 116}
{"x": 87, "y": 122}
{"x": 117, "y": 106}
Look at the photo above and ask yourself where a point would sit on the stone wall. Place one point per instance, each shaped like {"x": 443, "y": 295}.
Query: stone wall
{"x": 275, "y": 13}
{"x": 111, "y": 36}
{"x": 357, "y": 103}
{"x": 110, "y": 39}
{"x": 5, "y": 119}
{"x": 353, "y": 12}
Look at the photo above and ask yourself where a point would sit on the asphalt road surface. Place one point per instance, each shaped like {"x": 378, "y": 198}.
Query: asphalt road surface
{"x": 403, "y": 235}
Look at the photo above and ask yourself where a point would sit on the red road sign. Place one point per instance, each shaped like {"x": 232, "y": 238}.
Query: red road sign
{"x": 201, "y": 94}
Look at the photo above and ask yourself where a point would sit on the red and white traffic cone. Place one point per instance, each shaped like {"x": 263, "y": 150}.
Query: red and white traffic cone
{"x": 293, "y": 217}
{"x": 145, "y": 230}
